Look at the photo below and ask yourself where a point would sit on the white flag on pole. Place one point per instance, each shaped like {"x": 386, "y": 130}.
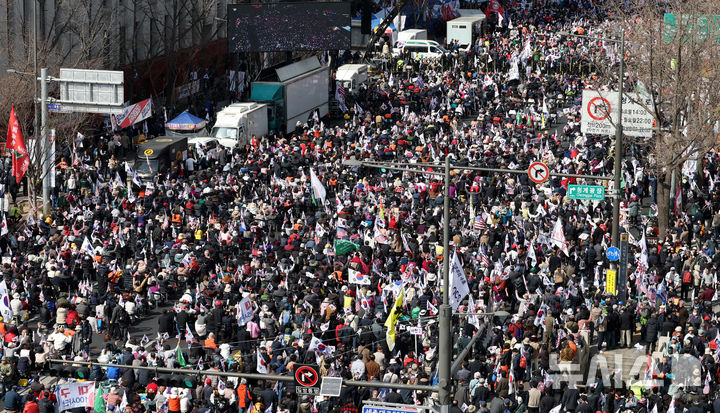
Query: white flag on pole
{"x": 355, "y": 277}
{"x": 557, "y": 237}
{"x": 135, "y": 178}
{"x": 472, "y": 317}
{"x": 317, "y": 187}
{"x": 531, "y": 253}
{"x": 644, "y": 252}
{"x": 314, "y": 344}
{"x": 5, "y": 310}
{"x": 123, "y": 403}
{"x": 261, "y": 367}
{"x": 459, "y": 288}
{"x": 87, "y": 247}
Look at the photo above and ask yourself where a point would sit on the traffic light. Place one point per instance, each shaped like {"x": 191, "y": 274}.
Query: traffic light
{"x": 189, "y": 382}
{"x": 62, "y": 370}
{"x": 82, "y": 373}
{"x": 164, "y": 380}
{"x": 173, "y": 380}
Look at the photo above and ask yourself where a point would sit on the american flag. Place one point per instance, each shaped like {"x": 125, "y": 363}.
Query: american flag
{"x": 340, "y": 97}
{"x": 484, "y": 259}
{"x": 479, "y": 224}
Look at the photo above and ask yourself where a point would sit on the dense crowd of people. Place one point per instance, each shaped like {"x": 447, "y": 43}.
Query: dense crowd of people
{"x": 257, "y": 259}
{"x": 270, "y": 27}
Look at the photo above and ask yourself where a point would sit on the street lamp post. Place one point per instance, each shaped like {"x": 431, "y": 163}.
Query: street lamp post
{"x": 445, "y": 316}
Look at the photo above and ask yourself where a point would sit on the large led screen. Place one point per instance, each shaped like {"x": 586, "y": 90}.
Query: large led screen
{"x": 268, "y": 27}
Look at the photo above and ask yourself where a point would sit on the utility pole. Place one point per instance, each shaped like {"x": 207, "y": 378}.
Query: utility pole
{"x": 617, "y": 170}
{"x": 35, "y": 72}
{"x": 445, "y": 319}
{"x": 45, "y": 146}
{"x": 617, "y": 167}
{"x": 38, "y": 142}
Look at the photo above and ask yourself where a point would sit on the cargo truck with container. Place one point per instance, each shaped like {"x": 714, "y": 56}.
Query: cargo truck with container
{"x": 352, "y": 76}
{"x": 296, "y": 91}
{"x": 238, "y": 123}
{"x": 465, "y": 30}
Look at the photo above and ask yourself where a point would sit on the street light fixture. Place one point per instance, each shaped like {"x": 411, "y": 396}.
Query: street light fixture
{"x": 17, "y": 72}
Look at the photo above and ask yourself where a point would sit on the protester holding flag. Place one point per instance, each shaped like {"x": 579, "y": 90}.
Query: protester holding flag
{"x": 282, "y": 255}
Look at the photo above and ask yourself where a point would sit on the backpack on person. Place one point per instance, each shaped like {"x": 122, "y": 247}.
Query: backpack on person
{"x": 524, "y": 356}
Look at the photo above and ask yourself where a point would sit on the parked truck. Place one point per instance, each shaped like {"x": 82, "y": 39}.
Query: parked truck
{"x": 352, "y": 76}
{"x": 297, "y": 90}
{"x": 411, "y": 34}
{"x": 237, "y": 123}
{"x": 465, "y": 30}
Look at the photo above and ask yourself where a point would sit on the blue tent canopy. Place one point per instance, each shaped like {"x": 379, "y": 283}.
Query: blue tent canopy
{"x": 186, "y": 121}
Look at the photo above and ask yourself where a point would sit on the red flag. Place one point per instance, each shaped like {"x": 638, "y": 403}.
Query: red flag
{"x": 495, "y": 7}
{"x": 16, "y": 143}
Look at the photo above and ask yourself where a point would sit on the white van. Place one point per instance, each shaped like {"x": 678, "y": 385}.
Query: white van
{"x": 422, "y": 49}
{"x": 410, "y": 34}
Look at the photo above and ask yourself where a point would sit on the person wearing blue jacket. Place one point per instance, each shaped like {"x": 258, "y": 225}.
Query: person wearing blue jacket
{"x": 13, "y": 400}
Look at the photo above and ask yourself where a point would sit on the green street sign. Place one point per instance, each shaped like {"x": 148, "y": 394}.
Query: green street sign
{"x": 586, "y": 192}
{"x": 688, "y": 26}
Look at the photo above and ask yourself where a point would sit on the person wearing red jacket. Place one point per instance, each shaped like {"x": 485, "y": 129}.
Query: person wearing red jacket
{"x": 31, "y": 405}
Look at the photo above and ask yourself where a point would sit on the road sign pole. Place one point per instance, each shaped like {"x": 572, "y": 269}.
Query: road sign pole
{"x": 617, "y": 170}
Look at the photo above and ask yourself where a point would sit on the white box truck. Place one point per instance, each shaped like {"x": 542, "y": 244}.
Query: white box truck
{"x": 412, "y": 34}
{"x": 465, "y": 30}
{"x": 352, "y": 76}
{"x": 237, "y": 123}
{"x": 301, "y": 88}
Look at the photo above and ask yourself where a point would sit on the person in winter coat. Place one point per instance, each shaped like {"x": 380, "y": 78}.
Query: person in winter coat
{"x": 244, "y": 397}
{"x": 651, "y": 333}
{"x": 46, "y": 402}
{"x": 13, "y": 400}
{"x": 627, "y": 326}
{"x": 200, "y": 326}
{"x": 31, "y": 405}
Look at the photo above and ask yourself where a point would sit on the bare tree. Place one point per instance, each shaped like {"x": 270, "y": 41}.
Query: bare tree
{"x": 178, "y": 25}
{"x": 672, "y": 54}
{"x": 71, "y": 33}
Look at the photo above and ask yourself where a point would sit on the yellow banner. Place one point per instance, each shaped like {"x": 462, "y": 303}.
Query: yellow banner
{"x": 610, "y": 279}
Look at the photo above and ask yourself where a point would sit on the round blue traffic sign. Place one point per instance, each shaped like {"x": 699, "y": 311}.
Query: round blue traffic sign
{"x": 613, "y": 253}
